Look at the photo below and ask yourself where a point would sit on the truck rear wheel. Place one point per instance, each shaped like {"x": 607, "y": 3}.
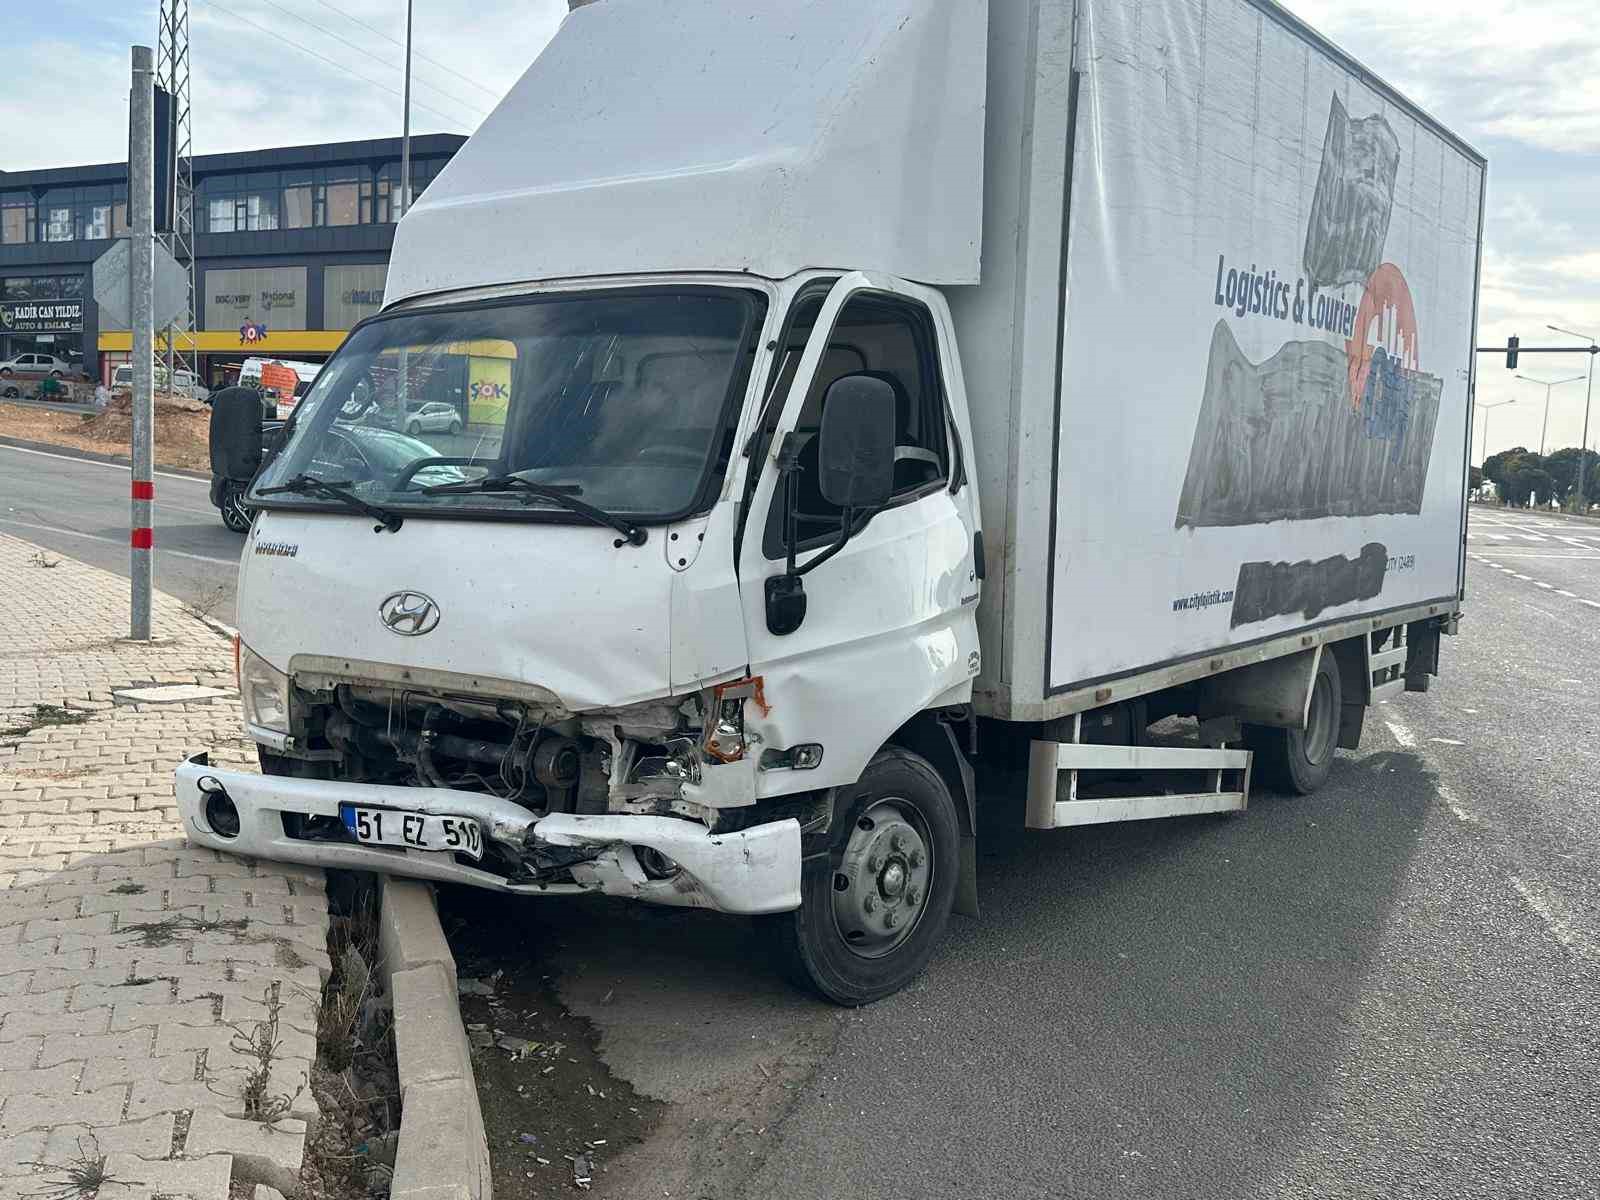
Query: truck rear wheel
{"x": 872, "y": 910}
{"x": 1299, "y": 760}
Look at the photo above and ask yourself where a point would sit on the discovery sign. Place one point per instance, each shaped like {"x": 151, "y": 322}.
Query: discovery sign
{"x": 41, "y": 316}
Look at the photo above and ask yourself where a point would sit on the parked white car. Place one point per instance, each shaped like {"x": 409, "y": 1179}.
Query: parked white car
{"x": 433, "y": 417}
{"x": 186, "y": 382}
{"x": 36, "y": 364}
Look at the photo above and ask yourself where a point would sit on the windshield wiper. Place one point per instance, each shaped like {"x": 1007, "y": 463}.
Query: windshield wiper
{"x": 304, "y": 485}
{"x": 558, "y": 494}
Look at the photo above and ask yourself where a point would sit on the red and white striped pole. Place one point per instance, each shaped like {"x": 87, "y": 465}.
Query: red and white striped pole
{"x": 141, "y": 307}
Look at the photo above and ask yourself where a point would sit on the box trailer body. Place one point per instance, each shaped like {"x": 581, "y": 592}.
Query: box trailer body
{"x": 1220, "y": 361}
{"x": 851, "y": 386}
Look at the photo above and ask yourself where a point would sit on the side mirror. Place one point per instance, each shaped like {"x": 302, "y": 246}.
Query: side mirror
{"x": 235, "y": 434}
{"x": 855, "y": 451}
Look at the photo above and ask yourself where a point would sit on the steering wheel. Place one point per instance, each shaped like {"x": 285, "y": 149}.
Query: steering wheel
{"x": 408, "y": 473}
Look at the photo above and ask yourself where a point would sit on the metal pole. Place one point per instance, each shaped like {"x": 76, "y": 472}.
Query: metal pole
{"x": 1544, "y": 425}
{"x": 1583, "y": 448}
{"x": 405, "y": 127}
{"x": 171, "y": 83}
{"x": 141, "y": 213}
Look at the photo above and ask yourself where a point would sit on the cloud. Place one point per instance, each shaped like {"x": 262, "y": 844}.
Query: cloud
{"x": 1492, "y": 68}
{"x": 252, "y": 85}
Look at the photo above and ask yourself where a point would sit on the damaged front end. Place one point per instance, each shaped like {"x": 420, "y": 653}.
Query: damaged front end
{"x": 654, "y": 802}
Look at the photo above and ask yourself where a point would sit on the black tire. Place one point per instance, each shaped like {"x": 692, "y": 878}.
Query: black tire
{"x": 455, "y": 428}
{"x": 11, "y": 391}
{"x": 899, "y": 791}
{"x": 236, "y": 514}
{"x": 413, "y": 429}
{"x": 5, "y": 372}
{"x": 55, "y": 375}
{"x": 1298, "y": 760}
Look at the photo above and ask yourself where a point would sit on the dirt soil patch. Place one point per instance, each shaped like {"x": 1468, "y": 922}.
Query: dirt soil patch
{"x": 182, "y": 434}
{"x": 548, "y": 1099}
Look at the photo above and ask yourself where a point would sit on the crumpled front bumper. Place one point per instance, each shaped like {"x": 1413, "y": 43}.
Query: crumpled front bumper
{"x": 752, "y": 871}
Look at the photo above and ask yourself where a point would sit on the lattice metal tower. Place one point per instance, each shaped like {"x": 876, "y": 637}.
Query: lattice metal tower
{"x": 172, "y": 73}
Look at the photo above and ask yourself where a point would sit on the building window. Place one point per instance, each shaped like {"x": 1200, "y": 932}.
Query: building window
{"x": 342, "y": 203}
{"x": 219, "y": 215}
{"x": 423, "y": 170}
{"x": 97, "y": 222}
{"x": 297, "y": 207}
{"x": 16, "y": 218}
{"x": 58, "y": 224}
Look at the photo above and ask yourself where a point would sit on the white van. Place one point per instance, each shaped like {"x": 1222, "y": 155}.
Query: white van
{"x": 251, "y": 376}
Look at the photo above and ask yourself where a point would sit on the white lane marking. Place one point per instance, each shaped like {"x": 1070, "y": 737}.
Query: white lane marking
{"x": 1567, "y": 594}
{"x": 1558, "y": 925}
{"x": 1533, "y": 537}
{"x": 1498, "y": 537}
{"x": 1408, "y": 741}
{"x": 1524, "y": 578}
{"x": 1541, "y": 583}
{"x": 1590, "y": 603}
{"x": 123, "y": 542}
{"x": 1447, "y": 741}
{"x": 89, "y": 462}
{"x": 1402, "y": 735}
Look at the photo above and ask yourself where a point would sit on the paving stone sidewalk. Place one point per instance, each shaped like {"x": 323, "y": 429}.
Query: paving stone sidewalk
{"x": 132, "y": 965}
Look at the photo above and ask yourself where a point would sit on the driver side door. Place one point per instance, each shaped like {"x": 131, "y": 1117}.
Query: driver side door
{"x": 890, "y": 622}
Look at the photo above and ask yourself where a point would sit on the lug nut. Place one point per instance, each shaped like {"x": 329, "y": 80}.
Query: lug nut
{"x": 870, "y": 903}
{"x": 913, "y": 896}
{"x": 873, "y": 863}
{"x": 915, "y": 858}
{"x": 898, "y": 842}
{"x": 889, "y": 919}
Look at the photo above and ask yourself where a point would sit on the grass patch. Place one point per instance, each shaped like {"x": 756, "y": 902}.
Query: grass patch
{"x": 129, "y": 889}
{"x": 82, "y": 1178}
{"x": 169, "y": 931}
{"x": 45, "y": 715}
{"x": 258, "y": 1045}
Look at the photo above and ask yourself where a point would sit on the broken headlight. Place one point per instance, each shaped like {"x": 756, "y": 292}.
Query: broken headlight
{"x": 263, "y": 692}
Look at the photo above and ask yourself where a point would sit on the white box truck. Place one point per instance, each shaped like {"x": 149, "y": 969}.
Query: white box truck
{"x": 858, "y": 392}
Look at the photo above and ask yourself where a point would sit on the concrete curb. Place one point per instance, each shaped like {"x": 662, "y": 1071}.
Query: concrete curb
{"x": 444, "y": 1149}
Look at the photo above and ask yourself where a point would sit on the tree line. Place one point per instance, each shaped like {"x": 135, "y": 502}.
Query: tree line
{"x": 1520, "y": 475}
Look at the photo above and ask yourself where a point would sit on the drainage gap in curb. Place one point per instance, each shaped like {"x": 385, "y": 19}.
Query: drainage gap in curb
{"x": 545, "y": 1092}
{"x": 351, "y": 1154}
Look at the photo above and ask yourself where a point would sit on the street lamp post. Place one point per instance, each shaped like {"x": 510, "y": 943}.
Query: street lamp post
{"x": 1483, "y": 458}
{"x": 1583, "y": 447}
{"x": 1547, "y": 384}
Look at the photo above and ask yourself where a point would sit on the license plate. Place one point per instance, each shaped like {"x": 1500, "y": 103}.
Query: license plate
{"x": 416, "y": 831}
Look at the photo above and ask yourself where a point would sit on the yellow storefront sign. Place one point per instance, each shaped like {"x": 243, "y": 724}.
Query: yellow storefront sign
{"x": 227, "y": 341}
{"x": 488, "y": 389}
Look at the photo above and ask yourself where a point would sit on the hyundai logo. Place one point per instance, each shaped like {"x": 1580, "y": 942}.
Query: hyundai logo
{"x": 410, "y": 614}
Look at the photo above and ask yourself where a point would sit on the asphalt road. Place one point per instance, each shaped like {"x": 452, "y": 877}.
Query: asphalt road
{"x": 80, "y": 508}
{"x": 1391, "y": 988}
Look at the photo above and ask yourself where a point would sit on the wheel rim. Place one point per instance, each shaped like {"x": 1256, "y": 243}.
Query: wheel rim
{"x": 236, "y": 506}
{"x": 1320, "y": 722}
{"x": 880, "y": 888}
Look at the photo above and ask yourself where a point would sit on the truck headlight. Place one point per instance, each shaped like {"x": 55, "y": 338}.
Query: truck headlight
{"x": 263, "y": 692}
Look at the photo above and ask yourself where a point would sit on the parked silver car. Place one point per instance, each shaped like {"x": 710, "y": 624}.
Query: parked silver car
{"x": 434, "y": 417}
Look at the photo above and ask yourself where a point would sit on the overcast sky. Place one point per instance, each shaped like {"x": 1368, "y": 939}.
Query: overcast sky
{"x": 1520, "y": 81}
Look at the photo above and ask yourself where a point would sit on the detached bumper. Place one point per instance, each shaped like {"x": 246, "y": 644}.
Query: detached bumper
{"x": 753, "y": 871}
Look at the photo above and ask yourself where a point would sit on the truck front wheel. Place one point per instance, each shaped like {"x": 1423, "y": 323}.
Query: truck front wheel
{"x": 872, "y": 910}
{"x": 1299, "y": 760}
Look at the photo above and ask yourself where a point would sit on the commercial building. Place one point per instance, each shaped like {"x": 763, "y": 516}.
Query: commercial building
{"x": 291, "y": 250}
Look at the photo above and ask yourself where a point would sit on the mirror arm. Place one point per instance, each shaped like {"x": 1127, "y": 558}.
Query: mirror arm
{"x": 846, "y": 527}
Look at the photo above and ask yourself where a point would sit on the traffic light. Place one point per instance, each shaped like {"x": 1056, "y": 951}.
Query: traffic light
{"x": 1512, "y": 343}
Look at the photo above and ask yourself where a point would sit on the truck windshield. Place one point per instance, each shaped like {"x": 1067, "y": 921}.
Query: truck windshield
{"x": 623, "y": 398}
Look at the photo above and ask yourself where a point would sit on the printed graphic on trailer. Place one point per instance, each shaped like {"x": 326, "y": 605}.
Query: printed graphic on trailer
{"x": 1268, "y": 327}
